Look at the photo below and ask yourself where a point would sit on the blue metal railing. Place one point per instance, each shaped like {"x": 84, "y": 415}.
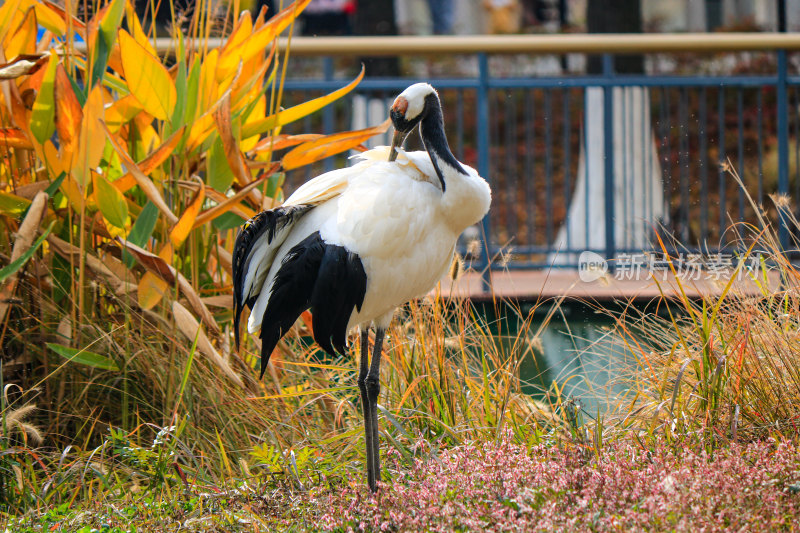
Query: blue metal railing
{"x": 526, "y": 136}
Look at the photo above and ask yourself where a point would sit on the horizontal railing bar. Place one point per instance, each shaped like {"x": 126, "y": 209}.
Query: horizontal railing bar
{"x": 377, "y": 84}
{"x": 533, "y": 44}
{"x": 673, "y": 252}
{"x": 395, "y": 84}
{"x": 636, "y": 81}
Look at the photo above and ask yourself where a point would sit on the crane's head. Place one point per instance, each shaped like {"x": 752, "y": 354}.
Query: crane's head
{"x": 408, "y": 110}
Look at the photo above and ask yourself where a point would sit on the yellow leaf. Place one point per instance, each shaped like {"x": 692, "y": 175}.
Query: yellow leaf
{"x": 146, "y": 137}
{"x": 253, "y": 74}
{"x": 51, "y": 159}
{"x": 68, "y": 112}
{"x": 227, "y": 203}
{"x": 202, "y": 127}
{"x": 48, "y": 17}
{"x": 150, "y": 290}
{"x": 208, "y": 87}
{"x": 14, "y": 138}
{"x": 279, "y": 142}
{"x": 234, "y": 156}
{"x": 232, "y": 202}
{"x": 251, "y": 84}
{"x": 121, "y": 112}
{"x": 242, "y": 31}
{"x": 259, "y": 40}
{"x": 145, "y": 183}
{"x": 299, "y": 111}
{"x": 329, "y": 145}
{"x": 147, "y": 78}
{"x": 7, "y": 12}
{"x": 23, "y": 41}
{"x": 73, "y": 193}
{"x": 151, "y": 287}
{"x": 136, "y": 29}
{"x": 258, "y": 111}
{"x": 151, "y": 162}
{"x": 185, "y": 224}
{"x": 17, "y": 19}
{"x": 90, "y": 146}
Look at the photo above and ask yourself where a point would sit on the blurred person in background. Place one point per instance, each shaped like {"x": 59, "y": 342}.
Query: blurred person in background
{"x": 505, "y": 16}
{"x": 442, "y": 15}
{"x": 328, "y": 17}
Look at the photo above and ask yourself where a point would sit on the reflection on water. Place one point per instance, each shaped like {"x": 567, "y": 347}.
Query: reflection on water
{"x": 578, "y": 351}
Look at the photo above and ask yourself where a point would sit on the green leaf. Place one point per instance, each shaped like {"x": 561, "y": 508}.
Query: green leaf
{"x": 111, "y": 202}
{"x": 227, "y": 221}
{"x": 79, "y": 90}
{"x": 54, "y": 185}
{"x": 220, "y": 175}
{"x": 185, "y": 379}
{"x": 13, "y": 205}
{"x": 190, "y": 101}
{"x": 178, "y": 114}
{"x": 274, "y": 182}
{"x": 18, "y": 263}
{"x": 84, "y": 357}
{"x": 62, "y": 278}
{"x": 43, "y": 123}
{"x": 143, "y": 227}
{"x": 141, "y": 231}
{"x": 110, "y": 23}
{"x": 101, "y": 52}
{"x": 105, "y": 40}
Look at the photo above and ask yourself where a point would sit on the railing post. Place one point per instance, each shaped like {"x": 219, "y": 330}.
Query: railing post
{"x": 783, "y": 146}
{"x": 327, "y": 112}
{"x": 608, "y": 154}
{"x": 482, "y": 141}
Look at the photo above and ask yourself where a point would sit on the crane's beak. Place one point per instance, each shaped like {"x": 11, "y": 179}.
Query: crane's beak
{"x": 397, "y": 140}
{"x": 398, "y": 109}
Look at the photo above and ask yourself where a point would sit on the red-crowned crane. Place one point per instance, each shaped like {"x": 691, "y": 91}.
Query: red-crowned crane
{"x": 355, "y": 243}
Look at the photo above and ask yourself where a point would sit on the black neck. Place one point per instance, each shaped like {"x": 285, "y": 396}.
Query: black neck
{"x": 433, "y": 137}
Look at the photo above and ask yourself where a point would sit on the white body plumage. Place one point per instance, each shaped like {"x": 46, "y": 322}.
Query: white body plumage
{"x": 395, "y": 217}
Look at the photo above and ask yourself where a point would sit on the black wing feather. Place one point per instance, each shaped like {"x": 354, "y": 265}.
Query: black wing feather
{"x": 291, "y": 292}
{"x": 269, "y": 222}
{"x": 325, "y": 277}
{"x": 340, "y": 287}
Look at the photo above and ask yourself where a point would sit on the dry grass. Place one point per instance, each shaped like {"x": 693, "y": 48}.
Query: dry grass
{"x": 723, "y": 369}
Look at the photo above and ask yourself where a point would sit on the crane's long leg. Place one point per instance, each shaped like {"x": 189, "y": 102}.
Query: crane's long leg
{"x": 366, "y": 404}
{"x": 373, "y": 385}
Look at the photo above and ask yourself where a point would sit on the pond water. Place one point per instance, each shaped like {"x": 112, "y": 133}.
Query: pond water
{"x": 578, "y": 351}
{"x": 578, "y": 354}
